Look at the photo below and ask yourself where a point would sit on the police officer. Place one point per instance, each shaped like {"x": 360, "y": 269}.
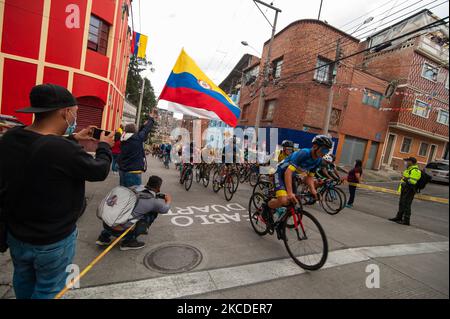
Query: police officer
{"x": 407, "y": 191}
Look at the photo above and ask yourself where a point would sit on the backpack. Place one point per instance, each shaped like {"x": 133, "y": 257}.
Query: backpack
{"x": 423, "y": 181}
{"x": 118, "y": 206}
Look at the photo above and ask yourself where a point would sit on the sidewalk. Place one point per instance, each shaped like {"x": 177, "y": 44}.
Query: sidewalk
{"x": 375, "y": 176}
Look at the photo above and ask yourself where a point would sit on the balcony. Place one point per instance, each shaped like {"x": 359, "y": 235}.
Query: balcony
{"x": 438, "y": 53}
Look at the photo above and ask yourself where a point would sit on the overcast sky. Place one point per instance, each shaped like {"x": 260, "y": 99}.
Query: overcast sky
{"x": 211, "y": 31}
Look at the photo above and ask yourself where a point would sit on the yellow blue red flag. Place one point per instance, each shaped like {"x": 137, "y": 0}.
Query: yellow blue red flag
{"x": 189, "y": 91}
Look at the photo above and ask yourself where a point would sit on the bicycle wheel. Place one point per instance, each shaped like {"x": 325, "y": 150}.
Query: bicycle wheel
{"x": 255, "y": 212}
{"x": 343, "y": 196}
{"x": 253, "y": 179}
{"x": 235, "y": 178}
{"x": 198, "y": 175}
{"x": 331, "y": 201}
{"x": 205, "y": 177}
{"x": 228, "y": 188}
{"x": 216, "y": 182}
{"x": 242, "y": 174}
{"x": 188, "y": 179}
{"x": 306, "y": 243}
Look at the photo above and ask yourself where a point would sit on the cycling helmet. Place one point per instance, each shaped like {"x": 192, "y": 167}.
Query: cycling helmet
{"x": 328, "y": 158}
{"x": 287, "y": 143}
{"x": 323, "y": 140}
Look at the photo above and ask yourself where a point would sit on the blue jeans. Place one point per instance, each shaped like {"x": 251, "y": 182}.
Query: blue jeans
{"x": 130, "y": 179}
{"x": 40, "y": 271}
{"x": 114, "y": 165}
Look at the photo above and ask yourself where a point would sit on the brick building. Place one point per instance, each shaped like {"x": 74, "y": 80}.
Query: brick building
{"x": 83, "y": 45}
{"x": 418, "y": 123}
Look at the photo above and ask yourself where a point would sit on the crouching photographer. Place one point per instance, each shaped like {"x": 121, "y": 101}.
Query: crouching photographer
{"x": 125, "y": 207}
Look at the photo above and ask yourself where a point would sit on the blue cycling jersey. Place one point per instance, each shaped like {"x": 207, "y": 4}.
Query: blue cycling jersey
{"x": 302, "y": 160}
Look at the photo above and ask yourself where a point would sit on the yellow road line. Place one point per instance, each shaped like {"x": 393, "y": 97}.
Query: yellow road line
{"x": 89, "y": 267}
{"x": 394, "y": 192}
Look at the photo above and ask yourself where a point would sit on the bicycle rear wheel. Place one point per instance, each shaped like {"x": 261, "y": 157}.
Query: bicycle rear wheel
{"x": 228, "y": 188}
{"x": 306, "y": 243}
{"x": 198, "y": 174}
{"x": 254, "y": 178}
{"x": 216, "y": 182}
{"x": 188, "y": 179}
{"x": 205, "y": 177}
{"x": 255, "y": 214}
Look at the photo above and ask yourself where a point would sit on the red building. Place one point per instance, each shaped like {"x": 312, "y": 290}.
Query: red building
{"x": 83, "y": 45}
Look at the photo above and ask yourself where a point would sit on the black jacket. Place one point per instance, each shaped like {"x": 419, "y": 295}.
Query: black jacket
{"x": 132, "y": 154}
{"x": 44, "y": 181}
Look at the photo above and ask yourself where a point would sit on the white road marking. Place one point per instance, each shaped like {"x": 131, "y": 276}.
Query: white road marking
{"x": 194, "y": 283}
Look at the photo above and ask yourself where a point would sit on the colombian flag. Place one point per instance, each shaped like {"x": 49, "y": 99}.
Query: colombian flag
{"x": 191, "y": 92}
{"x": 139, "y": 45}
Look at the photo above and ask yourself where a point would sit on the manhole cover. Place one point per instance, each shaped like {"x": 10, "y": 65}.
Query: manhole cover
{"x": 172, "y": 259}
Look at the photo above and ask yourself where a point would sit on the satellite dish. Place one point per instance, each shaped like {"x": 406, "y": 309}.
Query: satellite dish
{"x": 390, "y": 90}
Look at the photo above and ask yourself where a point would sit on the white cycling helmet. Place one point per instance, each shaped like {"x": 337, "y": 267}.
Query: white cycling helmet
{"x": 328, "y": 158}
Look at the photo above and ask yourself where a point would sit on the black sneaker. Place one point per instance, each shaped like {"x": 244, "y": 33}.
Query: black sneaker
{"x": 131, "y": 245}
{"x": 103, "y": 241}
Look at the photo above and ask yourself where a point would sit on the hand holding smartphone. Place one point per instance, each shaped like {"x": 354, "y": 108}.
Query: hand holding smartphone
{"x": 96, "y": 133}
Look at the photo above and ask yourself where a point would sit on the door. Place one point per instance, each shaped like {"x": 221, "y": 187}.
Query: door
{"x": 432, "y": 153}
{"x": 372, "y": 155}
{"x": 90, "y": 112}
{"x": 352, "y": 150}
{"x": 388, "y": 153}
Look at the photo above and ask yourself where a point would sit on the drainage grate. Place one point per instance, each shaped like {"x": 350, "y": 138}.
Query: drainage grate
{"x": 174, "y": 258}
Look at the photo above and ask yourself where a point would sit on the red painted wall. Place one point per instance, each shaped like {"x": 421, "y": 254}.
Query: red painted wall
{"x": 56, "y": 76}
{"x": 64, "y": 45}
{"x": 96, "y": 63}
{"x": 22, "y": 27}
{"x": 19, "y": 78}
{"x": 104, "y": 9}
{"x": 86, "y": 86}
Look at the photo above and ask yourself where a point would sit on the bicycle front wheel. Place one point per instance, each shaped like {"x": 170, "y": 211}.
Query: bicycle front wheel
{"x": 255, "y": 213}
{"x": 306, "y": 242}
{"x": 216, "y": 182}
{"x": 188, "y": 180}
{"x": 331, "y": 201}
{"x": 228, "y": 188}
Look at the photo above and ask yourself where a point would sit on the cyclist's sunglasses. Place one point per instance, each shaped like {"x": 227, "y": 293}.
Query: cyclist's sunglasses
{"x": 324, "y": 150}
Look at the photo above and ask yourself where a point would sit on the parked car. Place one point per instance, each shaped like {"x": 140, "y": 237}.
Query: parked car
{"x": 438, "y": 171}
{"x": 7, "y": 122}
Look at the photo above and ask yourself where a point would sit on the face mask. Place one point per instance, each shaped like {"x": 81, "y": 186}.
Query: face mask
{"x": 71, "y": 127}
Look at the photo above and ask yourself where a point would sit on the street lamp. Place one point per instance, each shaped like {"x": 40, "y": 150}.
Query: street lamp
{"x": 369, "y": 19}
{"x": 245, "y": 43}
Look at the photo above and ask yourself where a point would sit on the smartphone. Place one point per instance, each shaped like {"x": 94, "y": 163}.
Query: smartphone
{"x": 97, "y": 132}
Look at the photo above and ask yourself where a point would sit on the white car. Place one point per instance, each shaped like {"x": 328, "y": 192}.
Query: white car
{"x": 438, "y": 171}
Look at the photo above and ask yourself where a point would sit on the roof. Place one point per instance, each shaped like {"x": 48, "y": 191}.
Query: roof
{"x": 316, "y": 22}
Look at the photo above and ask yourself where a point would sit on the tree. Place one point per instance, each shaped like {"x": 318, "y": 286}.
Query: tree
{"x": 134, "y": 86}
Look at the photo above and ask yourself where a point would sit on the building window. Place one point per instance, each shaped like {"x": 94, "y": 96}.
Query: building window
{"x": 269, "y": 109}
{"x": 421, "y": 109}
{"x": 372, "y": 98}
{"x": 423, "y": 150}
{"x": 98, "y": 35}
{"x": 430, "y": 72}
{"x": 406, "y": 145}
{"x": 251, "y": 75}
{"x": 277, "y": 66}
{"x": 443, "y": 117}
{"x": 322, "y": 73}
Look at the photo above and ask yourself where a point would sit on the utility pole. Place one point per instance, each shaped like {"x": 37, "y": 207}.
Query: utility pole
{"x": 140, "y": 104}
{"x": 326, "y": 125}
{"x": 266, "y": 66}
{"x": 320, "y": 9}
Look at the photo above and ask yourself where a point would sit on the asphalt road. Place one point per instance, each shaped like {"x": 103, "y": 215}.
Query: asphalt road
{"x": 232, "y": 261}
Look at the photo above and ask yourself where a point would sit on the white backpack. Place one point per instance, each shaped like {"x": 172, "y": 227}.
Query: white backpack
{"x": 117, "y": 207}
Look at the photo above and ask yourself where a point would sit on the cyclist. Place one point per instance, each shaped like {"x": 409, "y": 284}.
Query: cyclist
{"x": 305, "y": 159}
{"x": 288, "y": 149}
{"x": 327, "y": 170}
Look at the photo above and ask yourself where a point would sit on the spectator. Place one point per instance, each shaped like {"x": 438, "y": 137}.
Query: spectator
{"x": 354, "y": 176}
{"x": 146, "y": 211}
{"x": 116, "y": 152}
{"x": 407, "y": 190}
{"x": 43, "y": 181}
{"x": 132, "y": 159}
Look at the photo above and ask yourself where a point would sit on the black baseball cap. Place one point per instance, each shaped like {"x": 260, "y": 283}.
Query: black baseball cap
{"x": 49, "y": 97}
{"x": 411, "y": 159}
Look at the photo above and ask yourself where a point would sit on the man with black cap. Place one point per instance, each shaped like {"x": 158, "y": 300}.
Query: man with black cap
{"x": 407, "y": 191}
{"x": 42, "y": 183}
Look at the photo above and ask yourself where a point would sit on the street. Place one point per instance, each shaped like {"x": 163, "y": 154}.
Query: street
{"x": 206, "y": 248}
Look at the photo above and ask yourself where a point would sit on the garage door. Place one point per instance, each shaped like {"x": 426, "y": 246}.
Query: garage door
{"x": 372, "y": 155}
{"x": 352, "y": 150}
{"x": 90, "y": 111}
